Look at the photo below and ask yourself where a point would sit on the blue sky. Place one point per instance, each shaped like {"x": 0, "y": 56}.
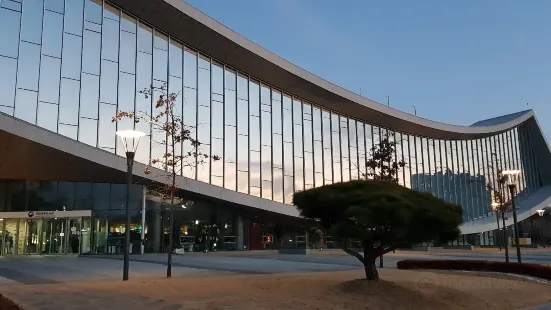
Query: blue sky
{"x": 456, "y": 61}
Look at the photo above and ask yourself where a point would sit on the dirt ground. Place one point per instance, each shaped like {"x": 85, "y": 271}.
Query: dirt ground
{"x": 398, "y": 289}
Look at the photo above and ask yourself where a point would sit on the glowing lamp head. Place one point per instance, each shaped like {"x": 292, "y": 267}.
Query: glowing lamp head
{"x": 511, "y": 175}
{"x": 130, "y": 139}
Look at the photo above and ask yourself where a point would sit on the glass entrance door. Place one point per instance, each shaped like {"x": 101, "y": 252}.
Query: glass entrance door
{"x": 33, "y": 236}
{"x": 2, "y": 237}
{"x": 54, "y": 236}
{"x": 75, "y": 226}
{"x": 9, "y": 244}
{"x": 47, "y": 236}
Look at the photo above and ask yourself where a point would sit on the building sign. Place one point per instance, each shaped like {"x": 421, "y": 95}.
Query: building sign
{"x": 42, "y": 214}
{"x": 45, "y": 214}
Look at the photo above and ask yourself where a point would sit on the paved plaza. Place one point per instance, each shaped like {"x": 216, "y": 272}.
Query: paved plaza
{"x": 88, "y": 278}
{"x": 68, "y": 269}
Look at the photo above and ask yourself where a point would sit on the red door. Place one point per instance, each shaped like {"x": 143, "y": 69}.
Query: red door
{"x": 256, "y": 237}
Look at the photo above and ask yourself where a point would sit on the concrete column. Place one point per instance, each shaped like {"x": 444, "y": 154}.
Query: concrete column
{"x": 156, "y": 229}
{"x": 239, "y": 232}
{"x": 142, "y": 245}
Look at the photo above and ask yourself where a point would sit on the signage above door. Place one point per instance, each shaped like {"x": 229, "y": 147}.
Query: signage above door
{"x": 45, "y": 214}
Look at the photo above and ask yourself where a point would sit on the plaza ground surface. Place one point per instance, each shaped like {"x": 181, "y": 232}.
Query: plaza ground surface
{"x": 261, "y": 280}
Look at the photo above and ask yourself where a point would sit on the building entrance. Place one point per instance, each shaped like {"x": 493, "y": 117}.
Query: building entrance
{"x": 45, "y": 232}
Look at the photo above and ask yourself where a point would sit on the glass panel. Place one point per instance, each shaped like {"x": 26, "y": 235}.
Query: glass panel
{"x": 298, "y": 145}
{"x": 47, "y": 116}
{"x": 217, "y": 167}
{"x": 87, "y": 132}
{"x": 53, "y": 30}
{"x": 106, "y": 127}
{"x": 93, "y": 10}
{"x": 230, "y": 177}
{"x": 89, "y": 96}
{"x": 242, "y": 154}
{"x": 420, "y": 163}
{"x": 34, "y": 227}
{"x": 203, "y": 170}
{"x": 427, "y": 165}
{"x": 243, "y": 181}
{"x": 128, "y": 52}
{"x": 11, "y": 4}
{"x": 91, "y": 52}
{"x": 345, "y": 150}
{"x": 110, "y": 44}
{"x": 55, "y": 5}
{"x": 254, "y": 169}
{"x": 31, "y": 23}
{"x": 438, "y": 169}
{"x": 7, "y": 79}
{"x": 29, "y": 60}
{"x": 413, "y": 164}
{"x": 53, "y": 236}
{"x": 406, "y": 157}
{"x": 242, "y": 107}
{"x": 69, "y": 101}
{"x": 266, "y": 155}
{"x": 9, "y": 39}
{"x": 128, "y": 24}
{"x": 68, "y": 131}
{"x": 278, "y": 185}
{"x": 327, "y": 148}
{"x": 160, "y": 59}
{"x": 175, "y": 59}
{"x": 49, "y": 80}
{"x": 73, "y": 16}
{"x": 267, "y": 190}
{"x": 25, "y": 105}
{"x": 6, "y": 110}
{"x": 126, "y": 97}
{"x": 109, "y": 75}
{"x": 145, "y": 39}
{"x": 70, "y": 67}
{"x": 318, "y": 147}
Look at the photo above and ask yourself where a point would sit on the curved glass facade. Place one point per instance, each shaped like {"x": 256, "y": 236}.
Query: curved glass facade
{"x": 69, "y": 66}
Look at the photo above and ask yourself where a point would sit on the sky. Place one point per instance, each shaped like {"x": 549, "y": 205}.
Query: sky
{"x": 457, "y": 62}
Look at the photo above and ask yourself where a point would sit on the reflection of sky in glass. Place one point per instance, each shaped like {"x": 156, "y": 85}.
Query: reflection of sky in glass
{"x": 70, "y": 75}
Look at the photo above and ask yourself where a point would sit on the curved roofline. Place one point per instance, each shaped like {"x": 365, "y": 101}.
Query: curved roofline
{"x": 184, "y": 22}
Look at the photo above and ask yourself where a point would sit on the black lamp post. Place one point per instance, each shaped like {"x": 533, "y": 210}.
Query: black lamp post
{"x": 130, "y": 140}
{"x": 541, "y": 213}
{"x": 511, "y": 183}
{"x": 495, "y": 208}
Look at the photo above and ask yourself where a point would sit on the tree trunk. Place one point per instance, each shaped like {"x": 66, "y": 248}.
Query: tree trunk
{"x": 371, "y": 273}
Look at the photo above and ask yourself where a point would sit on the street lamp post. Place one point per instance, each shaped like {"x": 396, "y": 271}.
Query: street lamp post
{"x": 511, "y": 183}
{"x": 130, "y": 140}
{"x": 541, "y": 213}
{"x": 495, "y": 208}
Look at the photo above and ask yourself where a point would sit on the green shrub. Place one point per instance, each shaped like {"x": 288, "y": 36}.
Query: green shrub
{"x": 532, "y": 270}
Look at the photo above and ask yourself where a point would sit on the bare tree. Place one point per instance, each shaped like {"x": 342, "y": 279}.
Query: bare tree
{"x": 166, "y": 121}
{"x": 496, "y": 186}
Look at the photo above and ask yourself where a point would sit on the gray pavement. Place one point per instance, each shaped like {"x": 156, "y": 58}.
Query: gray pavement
{"x": 66, "y": 269}
{"x": 33, "y": 270}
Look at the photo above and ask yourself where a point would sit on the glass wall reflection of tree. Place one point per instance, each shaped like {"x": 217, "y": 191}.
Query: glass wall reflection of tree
{"x": 166, "y": 123}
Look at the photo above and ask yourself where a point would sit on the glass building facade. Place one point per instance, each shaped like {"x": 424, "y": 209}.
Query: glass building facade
{"x": 69, "y": 66}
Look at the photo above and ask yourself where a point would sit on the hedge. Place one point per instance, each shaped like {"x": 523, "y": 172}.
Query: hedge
{"x": 532, "y": 270}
